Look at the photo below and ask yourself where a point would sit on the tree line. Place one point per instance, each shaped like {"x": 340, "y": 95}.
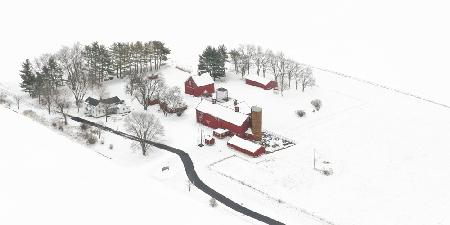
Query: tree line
{"x": 263, "y": 62}
{"x": 81, "y": 67}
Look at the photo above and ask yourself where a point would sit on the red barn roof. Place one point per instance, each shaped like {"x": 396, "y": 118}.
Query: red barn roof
{"x": 202, "y": 80}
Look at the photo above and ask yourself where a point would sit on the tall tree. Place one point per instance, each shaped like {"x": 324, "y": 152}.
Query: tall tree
{"x": 75, "y": 68}
{"x": 28, "y": 78}
{"x": 234, "y": 55}
{"x": 147, "y": 88}
{"x": 212, "y": 61}
{"x": 146, "y": 127}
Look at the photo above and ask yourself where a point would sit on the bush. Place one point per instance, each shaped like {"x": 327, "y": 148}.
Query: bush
{"x": 84, "y": 127}
{"x": 91, "y": 139}
{"x": 61, "y": 128}
{"x": 300, "y": 113}
{"x": 29, "y": 113}
{"x": 317, "y": 104}
{"x": 111, "y": 146}
{"x": 213, "y": 202}
{"x": 54, "y": 124}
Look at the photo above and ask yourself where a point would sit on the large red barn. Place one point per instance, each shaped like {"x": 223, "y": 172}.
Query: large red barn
{"x": 217, "y": 116}
{"x": 246, "y": 146}
{"x": 198, "y": 85}
{"x": 261, "y": 82}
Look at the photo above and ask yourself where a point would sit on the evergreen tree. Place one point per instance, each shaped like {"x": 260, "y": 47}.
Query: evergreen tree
{"x": 212, "y": 61}
{"x": 28, "y": 78}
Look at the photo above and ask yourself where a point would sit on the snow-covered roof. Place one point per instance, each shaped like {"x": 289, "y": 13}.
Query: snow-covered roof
{"x": 261, "y": 80}
{"x": 243, "y": 106}
{"x": 208, "y": 137}
{"x": 244, "y": 144}
{"x": 202, "y": 80}
{"x": 220, "y": 131}
{"x": 222, "y": 112}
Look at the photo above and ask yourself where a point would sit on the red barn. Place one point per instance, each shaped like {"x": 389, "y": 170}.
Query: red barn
{"x": 245, "y": 146}
{"x": 197, "y": 85}
{"x": 261, "y": 82}
{"x": 217, "y": 116}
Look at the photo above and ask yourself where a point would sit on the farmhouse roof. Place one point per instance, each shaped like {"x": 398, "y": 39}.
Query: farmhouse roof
{"x": 244, "y": 144}
{"x": 222, "y": 112}
{"x": 203, "y": 80}
{"x": 108, "y": 101}
{"x": 92, "y": 101}
{"x": 261, "y": 80}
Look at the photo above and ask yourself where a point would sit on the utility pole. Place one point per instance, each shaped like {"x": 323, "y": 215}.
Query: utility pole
{"x": 314, "y": 159}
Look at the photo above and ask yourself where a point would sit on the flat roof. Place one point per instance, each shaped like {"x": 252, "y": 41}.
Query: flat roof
{"x": 244, "y": 144}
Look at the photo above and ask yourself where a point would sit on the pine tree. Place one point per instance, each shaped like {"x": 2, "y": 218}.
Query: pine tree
{"x": 212, "y": 61}
{"x": 28, "y": 78}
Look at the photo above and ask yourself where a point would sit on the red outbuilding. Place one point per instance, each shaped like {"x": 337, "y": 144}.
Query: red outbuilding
{"x": 217, "y": 116}
{"x": 261, "y": 82}
{"x": 198, "y": 85}
{"x": 246, "y": 146}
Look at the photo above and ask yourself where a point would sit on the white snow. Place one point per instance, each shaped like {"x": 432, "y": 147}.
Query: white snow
{"x": 222, "y": 112}
{"x": 49, "y": 179}
{"x": 259, "y": 79}
{"x": 243, "y": 106}
{"x": 244, "y": 144}
{"x": 220, "y": 131}
{"x": 203, "y": 80}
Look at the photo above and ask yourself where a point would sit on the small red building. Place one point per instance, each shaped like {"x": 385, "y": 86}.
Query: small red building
{"x": 217, "y": 116}
{"x": 245, "y": 146}
{"x": 209, "y": 140}
{"x": 198, "y": 85}
{"x": 261, "y": 82}
{"x": 221, "y": 133}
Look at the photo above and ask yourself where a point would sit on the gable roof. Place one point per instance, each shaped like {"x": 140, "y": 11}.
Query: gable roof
{"x": 244, "y": 144}
{"x": 108, "y": 101}
{"x": 222, "y": 112}
{"x": 92, "y": 101}
{"x": 203, "y": 80}
{"x": 243, "y": 106}
{"x": 261, "y": 80}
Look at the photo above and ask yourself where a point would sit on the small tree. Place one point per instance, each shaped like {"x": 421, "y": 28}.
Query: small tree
{"x": 317, "y": 104}
{"x": 213, "y": 202}
{"x": 172, "y": 98}
{"x": 144, "y": 126}
{"x": 61, "y": 103}
{"x": 300, "y": 113}
{"x": 18, "y": 99}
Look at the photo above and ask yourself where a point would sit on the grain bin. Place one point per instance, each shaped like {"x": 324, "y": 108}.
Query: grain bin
{"x": 256, "y": 118}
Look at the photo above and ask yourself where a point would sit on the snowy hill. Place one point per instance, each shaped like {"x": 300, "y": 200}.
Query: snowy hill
{"x": 49, "y": 179}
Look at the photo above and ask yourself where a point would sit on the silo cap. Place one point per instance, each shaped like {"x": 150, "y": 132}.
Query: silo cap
{"x": 256, "y": 109}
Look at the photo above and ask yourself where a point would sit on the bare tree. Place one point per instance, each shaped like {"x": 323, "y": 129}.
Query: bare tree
{"x": 146, "y": 127}
{"x": 257, "y": 58}
{"x": 265, "y": 61}
{"x": 18, "y": 99}
{"x": 291, "y": 67}
{"x": 148, "y": 88}
{"x": 61, "y": 103}
{"x": 172, "y": 99}
{"x": 307, "y": 79}
{"x": 247, "y": 54}
{"x": 75, "y": 68}
{"x": 280, "y": 71}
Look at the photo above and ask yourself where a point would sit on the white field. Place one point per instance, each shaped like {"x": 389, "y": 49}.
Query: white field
{"x": 49, "y": 179}
{"x": 388, "y": 153}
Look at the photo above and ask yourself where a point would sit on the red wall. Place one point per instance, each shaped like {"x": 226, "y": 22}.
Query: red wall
{"x": 270, "y": 85}
{"x": 195, "y": 90}
{"x": 215, "y": 123}
{"x": 259, "y": 152}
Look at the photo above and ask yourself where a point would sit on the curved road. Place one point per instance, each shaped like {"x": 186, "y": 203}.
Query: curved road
{"x": 190, "y": 172}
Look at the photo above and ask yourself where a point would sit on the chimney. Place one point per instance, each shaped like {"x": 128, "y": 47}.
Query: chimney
{"x": 236, "y": 108}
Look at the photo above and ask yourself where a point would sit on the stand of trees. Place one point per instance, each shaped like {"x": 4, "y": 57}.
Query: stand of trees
{"x": 79, "y": 67}
{"x": 284, "y": 70}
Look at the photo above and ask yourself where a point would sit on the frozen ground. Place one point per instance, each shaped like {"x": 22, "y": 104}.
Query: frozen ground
{"x": 49, "y": 179}
{"x": 388, "y": 153}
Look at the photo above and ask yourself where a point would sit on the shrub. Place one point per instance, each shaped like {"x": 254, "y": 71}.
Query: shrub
{"x": 29, "y": 113}
{"x": 84, "y": 127}
{"x": 91, "y": 139}
{"x": 213, "y": 202}
{"x": 317, "y": 104}
{"x": 300, "y": 113}
{"x": 111, "y": 146}
{"x": 61, "y": 128}
{"x": 54, "y": 124}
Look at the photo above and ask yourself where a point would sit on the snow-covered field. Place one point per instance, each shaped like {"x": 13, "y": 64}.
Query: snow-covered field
{"x": 49, "y": 179}
{"x": 388, "y": 152}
